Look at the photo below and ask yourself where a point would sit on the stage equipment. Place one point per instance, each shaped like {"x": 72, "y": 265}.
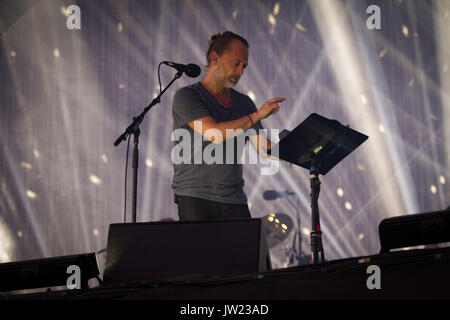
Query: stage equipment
{"x": 133, "y": 128}
{"x": 191, "y": 70}
{"x": 414, "y": 230}
{"x": 156, "y": 251}
{"x": 317, "y": 144}
{"x": 295, "y": 253}
{"x": 48, "y": 272}
{"x": 277, "y": 227}
{"x": 274, "y": 194}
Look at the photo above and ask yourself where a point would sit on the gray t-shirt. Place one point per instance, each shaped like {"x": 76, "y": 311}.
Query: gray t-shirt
{"x": 216, "y": 182}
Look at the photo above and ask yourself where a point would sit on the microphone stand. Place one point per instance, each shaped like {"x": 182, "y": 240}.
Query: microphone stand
{"x": 133, "y": 129}
{"x": 294, "y": 251}
{"x": 301, "y": 259}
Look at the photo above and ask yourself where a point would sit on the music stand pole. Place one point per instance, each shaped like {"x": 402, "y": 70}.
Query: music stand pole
{"x": 316, "y": 232}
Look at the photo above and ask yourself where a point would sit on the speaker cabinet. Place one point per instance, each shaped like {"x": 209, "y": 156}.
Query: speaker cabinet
{"x": 414, "y": 230}
{"x": 47, "y": 272}
{"x": 139, "y": 252}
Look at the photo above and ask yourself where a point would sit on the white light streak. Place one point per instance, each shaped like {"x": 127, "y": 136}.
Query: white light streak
{"x": 5, "y": 244}
{"x": 64, "y": 11}
{"x": 306, "y": 231}
{"x": 405, "y": 30}
{"x": 348, "y": 206}
{"x": 440, "y": 18}
{"x": 300, "y": 27}
{"x": 94, "y": 179}
{"x": 251, "y": 95}
{"x": 433, "y": 189}
{"x": 352, "y": 73}
{"x": 276, "y": 8}
{"x": 26, "y": 165}
{"x": 235, "y": 13}
{"x": 363, "y": 98}
{"x": 360, "y": 167}
{"x": 31, "y": 194}
{"x": 272, "y": 20}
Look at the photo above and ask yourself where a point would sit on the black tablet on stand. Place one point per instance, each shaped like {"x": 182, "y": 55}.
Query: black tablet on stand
{"x": 317, "y": 144}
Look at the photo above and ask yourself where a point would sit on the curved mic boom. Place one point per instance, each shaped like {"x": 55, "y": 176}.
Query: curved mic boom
{"x": 191, "y": 70}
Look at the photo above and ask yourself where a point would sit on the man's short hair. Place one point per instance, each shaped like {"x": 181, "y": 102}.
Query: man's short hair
{"x": 221, "y": 42}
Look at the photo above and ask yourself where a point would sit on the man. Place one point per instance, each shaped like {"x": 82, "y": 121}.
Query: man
{"x": 209, "y": 108}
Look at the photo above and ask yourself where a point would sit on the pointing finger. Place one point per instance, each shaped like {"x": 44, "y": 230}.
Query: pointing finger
{"x": 276, "y": 100}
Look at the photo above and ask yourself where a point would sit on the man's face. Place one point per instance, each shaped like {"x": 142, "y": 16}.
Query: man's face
{"x": 230, "y": 66}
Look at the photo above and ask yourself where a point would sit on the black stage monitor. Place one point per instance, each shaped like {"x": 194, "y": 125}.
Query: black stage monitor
{"x": 139, "y": 252}
{"x": 414, "y": 230}
{"x": 47, "y": 272}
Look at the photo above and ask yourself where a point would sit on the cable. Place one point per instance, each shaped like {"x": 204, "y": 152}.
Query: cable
{"x": 128, "y": 149}
{"x": 159, "y": 78}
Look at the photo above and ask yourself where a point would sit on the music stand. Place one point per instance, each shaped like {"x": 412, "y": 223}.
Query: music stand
{"x": 317, "y": 144}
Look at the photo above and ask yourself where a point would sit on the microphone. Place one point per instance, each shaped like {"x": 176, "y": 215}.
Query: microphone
{"x": 191, "y": 70}
{"x": 273, "y": 194}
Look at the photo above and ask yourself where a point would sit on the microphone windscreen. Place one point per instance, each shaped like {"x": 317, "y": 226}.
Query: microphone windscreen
{"x": 193, "y": 70}
{"x": 270, "y": 195}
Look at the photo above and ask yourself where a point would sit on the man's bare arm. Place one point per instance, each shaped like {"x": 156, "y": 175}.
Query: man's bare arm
{"x": 216, "y": 132}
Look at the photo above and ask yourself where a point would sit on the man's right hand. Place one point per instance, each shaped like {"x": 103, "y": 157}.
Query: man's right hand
{"x": 269, "y": 107}
{"x": 206, "y": 123}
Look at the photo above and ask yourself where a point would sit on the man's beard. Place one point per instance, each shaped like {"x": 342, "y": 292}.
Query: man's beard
{"x": 226, "y": 82}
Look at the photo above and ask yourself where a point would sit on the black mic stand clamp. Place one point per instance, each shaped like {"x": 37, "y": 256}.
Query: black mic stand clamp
{"x": 133, "y": 129}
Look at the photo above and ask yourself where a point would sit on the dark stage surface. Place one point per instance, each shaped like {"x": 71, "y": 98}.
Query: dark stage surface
{"x": 403, "y": 275}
